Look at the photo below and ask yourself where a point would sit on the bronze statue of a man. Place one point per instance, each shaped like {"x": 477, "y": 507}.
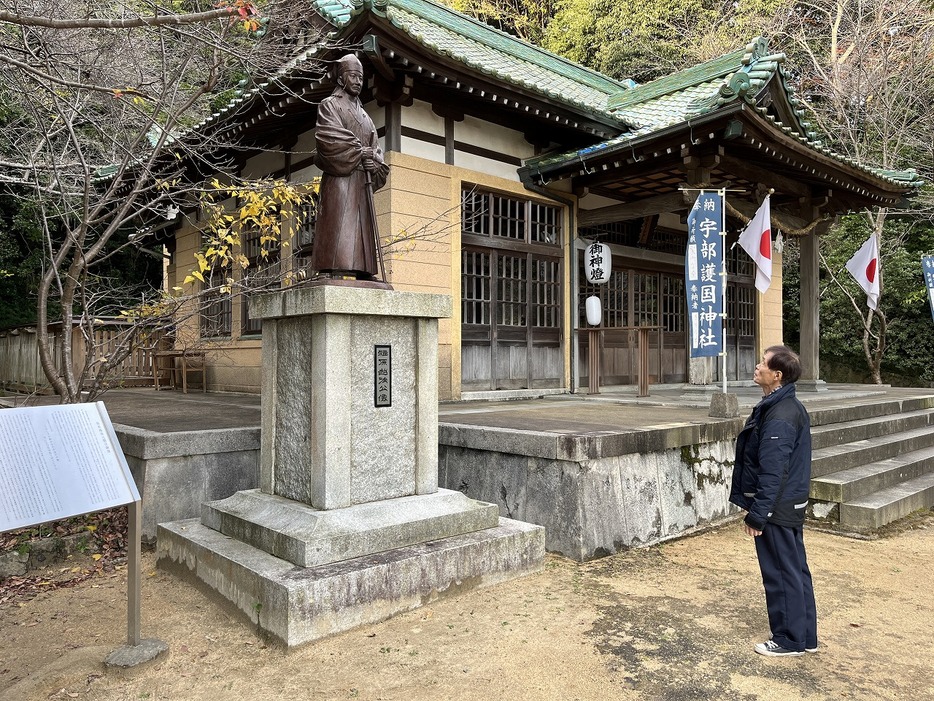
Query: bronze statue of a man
{"x": 348, "y": 153}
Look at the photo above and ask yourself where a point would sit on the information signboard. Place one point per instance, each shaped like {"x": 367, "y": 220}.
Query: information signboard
{"x": 60, "y": 461}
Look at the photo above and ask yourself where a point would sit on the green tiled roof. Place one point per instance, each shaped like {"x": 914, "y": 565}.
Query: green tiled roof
{"x": 337, "y": 12}
{"x": 700, "y": 89}
{"x": 680, "y": 97}
{"x": 639, "y": 111}
{"x": 472, "y": 43}
{"x": 488, "y": 50}
{"x": 702, "y": 74}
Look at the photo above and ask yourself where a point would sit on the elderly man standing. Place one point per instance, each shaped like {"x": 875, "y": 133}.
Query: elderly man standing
{"x": 771, "y": 481}
{"x": 348, "y": 153}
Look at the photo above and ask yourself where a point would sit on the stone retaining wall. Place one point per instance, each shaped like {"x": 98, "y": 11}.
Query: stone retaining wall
{"x": 176, "y": 472}
{"x": 592, "y": 507}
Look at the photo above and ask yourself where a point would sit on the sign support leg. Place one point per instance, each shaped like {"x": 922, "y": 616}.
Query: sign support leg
{"x": 136, "y": 651}
{"x": 134, "y": 554}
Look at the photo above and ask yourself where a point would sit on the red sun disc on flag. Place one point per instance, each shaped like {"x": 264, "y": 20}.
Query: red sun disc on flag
{"x": 871, "y": 270}
{"x": 765, "y": 244}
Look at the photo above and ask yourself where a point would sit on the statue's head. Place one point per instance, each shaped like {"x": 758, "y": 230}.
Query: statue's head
{"x": 350, "y": 74}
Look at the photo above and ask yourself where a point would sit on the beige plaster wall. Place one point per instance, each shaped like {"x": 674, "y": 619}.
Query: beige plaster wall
{"x": 419, "y": 115}
{"x": 493, "y": 137}
{"x": 233, "y": 364}
{"x": 260, "y": 165}
{"x": 769, "y": 309}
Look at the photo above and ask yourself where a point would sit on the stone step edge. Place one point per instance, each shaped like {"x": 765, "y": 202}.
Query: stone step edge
{"x": 877, "y": 410}
{"x": 865, "y": 444}
{"x": 875, "y": 421}
{"x": 298, "y": 605}
{"x": 870, "y": 471}
{"x": 874, "y": 510}
{"x": 891, "y": 495}
{"x": 856, "y": 431}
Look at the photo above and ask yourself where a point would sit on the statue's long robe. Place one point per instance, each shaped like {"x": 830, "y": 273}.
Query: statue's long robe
{"x": 345, "y": 233}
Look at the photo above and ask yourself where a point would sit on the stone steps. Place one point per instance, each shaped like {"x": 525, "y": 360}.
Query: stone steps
{"x": 843, "y": 456}
{"x": 841, "y": 413}
{"x": 865, "y": 428}
{"x": 872, "y": 464}
{"x": 877, "y": 509}
{"x": 855, "y": 482}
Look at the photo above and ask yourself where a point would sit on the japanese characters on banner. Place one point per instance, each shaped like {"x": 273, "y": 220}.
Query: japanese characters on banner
{"x": 703, "y": 282}
{"x": 598, "y": 263}
{"x": 927, "y": 265}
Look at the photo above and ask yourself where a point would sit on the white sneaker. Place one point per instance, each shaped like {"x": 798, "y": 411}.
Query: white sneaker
{"x": 772, "y": 649}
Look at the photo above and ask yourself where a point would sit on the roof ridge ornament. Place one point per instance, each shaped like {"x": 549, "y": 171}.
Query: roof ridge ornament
{"x": 737, "y": 85}
{"x": 756, "y": 49}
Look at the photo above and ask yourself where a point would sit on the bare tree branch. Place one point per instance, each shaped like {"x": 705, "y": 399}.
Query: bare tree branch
{"x": 116, "y": 92}
{"x": 157, "y": 20}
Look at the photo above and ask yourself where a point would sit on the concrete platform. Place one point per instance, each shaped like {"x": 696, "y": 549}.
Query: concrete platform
{"x": 297, "y": 605}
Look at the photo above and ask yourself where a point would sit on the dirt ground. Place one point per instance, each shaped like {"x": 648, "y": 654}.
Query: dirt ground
{"x": 672, "y": 622}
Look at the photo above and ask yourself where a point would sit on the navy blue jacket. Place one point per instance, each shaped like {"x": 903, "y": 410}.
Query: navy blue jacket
{"x": 772, "y": 472}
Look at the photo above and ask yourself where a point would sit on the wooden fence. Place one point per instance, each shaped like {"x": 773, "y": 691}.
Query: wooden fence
{"x": 20, "y": 369}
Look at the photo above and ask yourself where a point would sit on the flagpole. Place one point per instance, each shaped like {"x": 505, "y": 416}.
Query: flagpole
{"x": 723, "y": 280}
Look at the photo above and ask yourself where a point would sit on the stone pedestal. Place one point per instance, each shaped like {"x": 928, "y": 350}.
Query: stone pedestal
{"x": 348, "y": 525}
{"x": 319, "y": 380}
{"x": 701, "y": 371}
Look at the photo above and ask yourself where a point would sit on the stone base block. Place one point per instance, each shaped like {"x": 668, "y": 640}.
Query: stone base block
{"x": 309, "y": 537}
{"x": 135, "y": 655}
{"x": 811, "y": 386}
{"x": 724, "y": 406}
{"x": 297, "y": 605}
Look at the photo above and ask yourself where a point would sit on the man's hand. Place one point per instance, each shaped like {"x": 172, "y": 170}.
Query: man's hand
{"x": 750, "y": 530}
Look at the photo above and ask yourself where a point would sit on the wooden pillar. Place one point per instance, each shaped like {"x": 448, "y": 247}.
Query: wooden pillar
{"x": 593, "y": 360}
{"x": 644, "y": 361}
{"x": 810, "y": 312}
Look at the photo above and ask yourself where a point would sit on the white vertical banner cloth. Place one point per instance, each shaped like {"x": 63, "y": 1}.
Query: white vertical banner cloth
{"x": 756, "y": 240}
{"x": 864, "y": 267}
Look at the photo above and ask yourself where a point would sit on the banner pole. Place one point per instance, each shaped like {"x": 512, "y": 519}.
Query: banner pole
{"x": 723, "y": 275}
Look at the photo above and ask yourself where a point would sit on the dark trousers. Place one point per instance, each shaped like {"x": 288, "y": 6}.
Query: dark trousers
{"x": 789, "y": 593}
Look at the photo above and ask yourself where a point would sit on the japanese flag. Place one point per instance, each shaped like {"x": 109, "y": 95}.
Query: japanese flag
{"x": 756, "y": 240}
{"x": 864, "y": 267}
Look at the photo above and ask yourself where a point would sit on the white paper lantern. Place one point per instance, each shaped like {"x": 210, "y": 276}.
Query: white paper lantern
{"x": 594, "y": 310}
{"x": 598, "y": 263}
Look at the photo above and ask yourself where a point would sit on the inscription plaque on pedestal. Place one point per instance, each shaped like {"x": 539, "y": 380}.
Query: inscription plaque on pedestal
{"x": 382, "y": 376}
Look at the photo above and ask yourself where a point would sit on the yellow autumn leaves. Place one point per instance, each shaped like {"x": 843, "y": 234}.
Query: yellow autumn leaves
{"x": 267, "y": 211}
